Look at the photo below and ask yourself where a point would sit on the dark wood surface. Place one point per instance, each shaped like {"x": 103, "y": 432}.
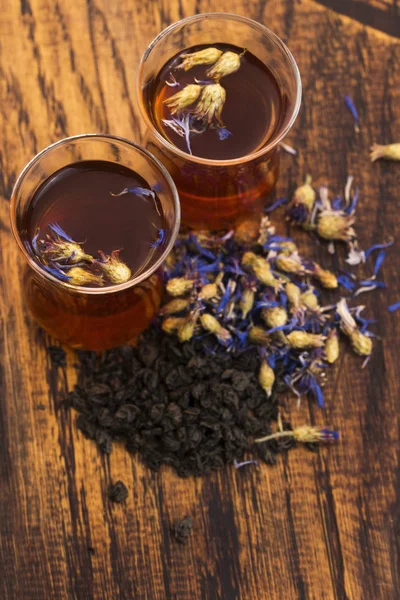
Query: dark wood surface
{"x": 315, "y": 526}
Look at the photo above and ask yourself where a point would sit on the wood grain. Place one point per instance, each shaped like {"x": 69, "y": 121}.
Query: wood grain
{"x": 323, "y": 526}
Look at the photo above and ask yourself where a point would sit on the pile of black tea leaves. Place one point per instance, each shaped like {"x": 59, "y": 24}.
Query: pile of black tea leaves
{"x": 177, "y": 404}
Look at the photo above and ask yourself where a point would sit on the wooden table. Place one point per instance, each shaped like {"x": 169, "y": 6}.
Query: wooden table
{"x": 316, "y": 526}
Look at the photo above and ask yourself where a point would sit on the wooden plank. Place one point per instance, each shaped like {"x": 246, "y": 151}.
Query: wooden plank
{"x": 316, "y": 526}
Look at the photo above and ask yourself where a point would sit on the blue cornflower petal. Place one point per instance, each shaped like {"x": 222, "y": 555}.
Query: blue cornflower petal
{"x": 352, "y": 206}
{"x": 159, "y": 240}
{"x": 330, "y": 434}
{"x": 56, "y": 273}
{"x": 350, "y": 105}
{"x": 318, "y": 393}
{"x": 223, "y": 133}
{"x": 379, "y": 261}
{"x": 200, "y": 249}
{"x": 55, "y": 227}
{"x": 372, "y": 282}
{"x": 337, "y": 203}
{"x": 283, "y": 298}
{"x": 275, "y": 204}
{"x": 394, "y": 307}
{"x": 346, "y": 282}
{"x": 210, "y": 268}
{"x": 225, "y": 299}
{"x": 35, "y": 241}
{"x": 377, "y": 247}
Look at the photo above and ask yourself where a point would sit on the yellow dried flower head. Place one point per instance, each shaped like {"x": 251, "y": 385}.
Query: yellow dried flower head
{"x": 287, "y": 247}
{"x": 228, "y": 63}
{"x": 208, "y": 291}
{"x": 174, "y": 306}
{"x": 293, "y": 293}
{"x": 246, "y": 232}
{"x": 326, "y": 278}
{"x": 210, "y": 323}
{"x": 211, "y": 103}
{"x": 275, "y": 316}
{"x": 248, "y": 259}
{"x": 258, "y": 335}
{"x": 388, "y": 152}
{"x": 183, "y": 98}
{"x": 290, "y": 263}
{"x": 172, "y": 324}
{"x": 309, "y": 299}
{"x": 361, "y": 343}
{"x": 332, "y": 347}
{"x": 266, "y": 377}
{"x": 303, "y": 340}
{"x": 306, "y": 434}
{"x": 114, "y": 268}
{"x": 247, "y": 301}
{"x": 305, "y": 194}
{"x": 80, "y": 276}
{"x": 179, "y": 286}
{"x": 335, "y": 225}
{"x": 208, "y": 56}
{"x": 63, "y": 250}
{"x": 186, "y": 330}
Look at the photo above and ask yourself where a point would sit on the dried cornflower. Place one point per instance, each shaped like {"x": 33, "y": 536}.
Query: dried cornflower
{"x": 261, "y": 269}
{"x": 388, "y": 152}
{"x": 247, "y": 301}
{"x": 332, "y": 347}
{"x": 350, "y": 105}
{"x": 211, "y": 103}
{"x": 360, "y": 342}
{"x": 306, "y": 434}
{"x": 80, "y": 276}
{"x": 175, "y": 306}
{"x": 246, "y": 232}
{"x": 275, "y": 316}
{"x": 302, "y": 204}
{"x": 293, "y": 293}
{"x": 336, "y": 225}
{"x": 113, "y": 267}
{"x": 309, "y": 299}
{"x": 212, "y": 325}
{"x": 208, "y": 291}
{"x": 186, "y": 329}
{"x": 171, "y": 325}
{"x": 60, "y": 247}
{"x": 208, "y": 56}
{"x": 266, "y": 377}
{"x": 325, "y": 277}
{"x": 228, "y": 63}
{"x": 184, "y": 98}
{"x": 303, "y": 340}
{"x": 290, "y": 263}
{"x": 179, "y": 286}
{"x": 258, "y": 335}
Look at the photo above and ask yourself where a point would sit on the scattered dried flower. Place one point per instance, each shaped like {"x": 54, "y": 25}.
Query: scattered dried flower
{"x": 388, "y": 152}
{"x": 305, "y": 434}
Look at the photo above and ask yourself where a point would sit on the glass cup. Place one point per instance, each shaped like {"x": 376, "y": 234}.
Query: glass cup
{"x": 84, "y": 317}
{"x": 216, "y": 194}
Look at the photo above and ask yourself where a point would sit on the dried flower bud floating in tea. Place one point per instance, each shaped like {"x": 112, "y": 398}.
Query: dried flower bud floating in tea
{"x": 211, "y": 103}
{"x": 227, "y": 64}
{"x": 183, "y": 98}
{"x": 208, "y": 56}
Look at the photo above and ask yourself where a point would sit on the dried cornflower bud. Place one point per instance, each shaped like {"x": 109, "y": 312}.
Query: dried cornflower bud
{"x": 175, "y": 306}
{"x": 361, "y": 343}
{"x": 247, "y": 232}
{"x": 59, "y": 246}
{"x": 210, "y": 324}
{"x": 291, "y": 263}
{"x": 183, "y": 98}
{"x": 266, "y": 377}
{"x": 332, "y": 347}
{"x": 309, "y": 300}
{"x": 302, "y": 204}
{"x": 261, "y": 269}
{"x": 208, "y": 56}
{"x": 326, "y": 278}
{"x": 80, "y": 276}
{"x": 247, "y": 301}
{"x": 208, "y": 291}
{"x": 228, "y": 63}
{"x": 388, "y": 152}
{"x": 303, "y": 340}
{"x": 275, "y": 316}
{"x": 293, "y": 293}
{"x": 336, "y": 225}
{"x": 211, "y": 103}
{"x": 179, "y": 286}
{"x": 305, "y": 434}
{"x": 186, "y": 330}
{"x": 171, "y": 325}
{"x": 114, "y": 268}
{"x": 286, "y": 247}
{"x": 258, "y": 335}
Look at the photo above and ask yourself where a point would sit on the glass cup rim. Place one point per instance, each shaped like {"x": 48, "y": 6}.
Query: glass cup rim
{"x": 208, "y": 161}
{"x": 112, "y": 288}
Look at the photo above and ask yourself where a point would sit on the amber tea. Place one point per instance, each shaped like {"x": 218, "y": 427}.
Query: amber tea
{"x": 94, "y": 224}
{"x": 218, "y": 102}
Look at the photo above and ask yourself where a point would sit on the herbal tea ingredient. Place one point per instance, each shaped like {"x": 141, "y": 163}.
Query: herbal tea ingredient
{"x": 182, "y": 529}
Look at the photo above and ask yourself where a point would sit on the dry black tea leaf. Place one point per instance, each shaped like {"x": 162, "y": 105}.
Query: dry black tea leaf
{"x": 117, "y": 492}
{"x": 181, "y": 529}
